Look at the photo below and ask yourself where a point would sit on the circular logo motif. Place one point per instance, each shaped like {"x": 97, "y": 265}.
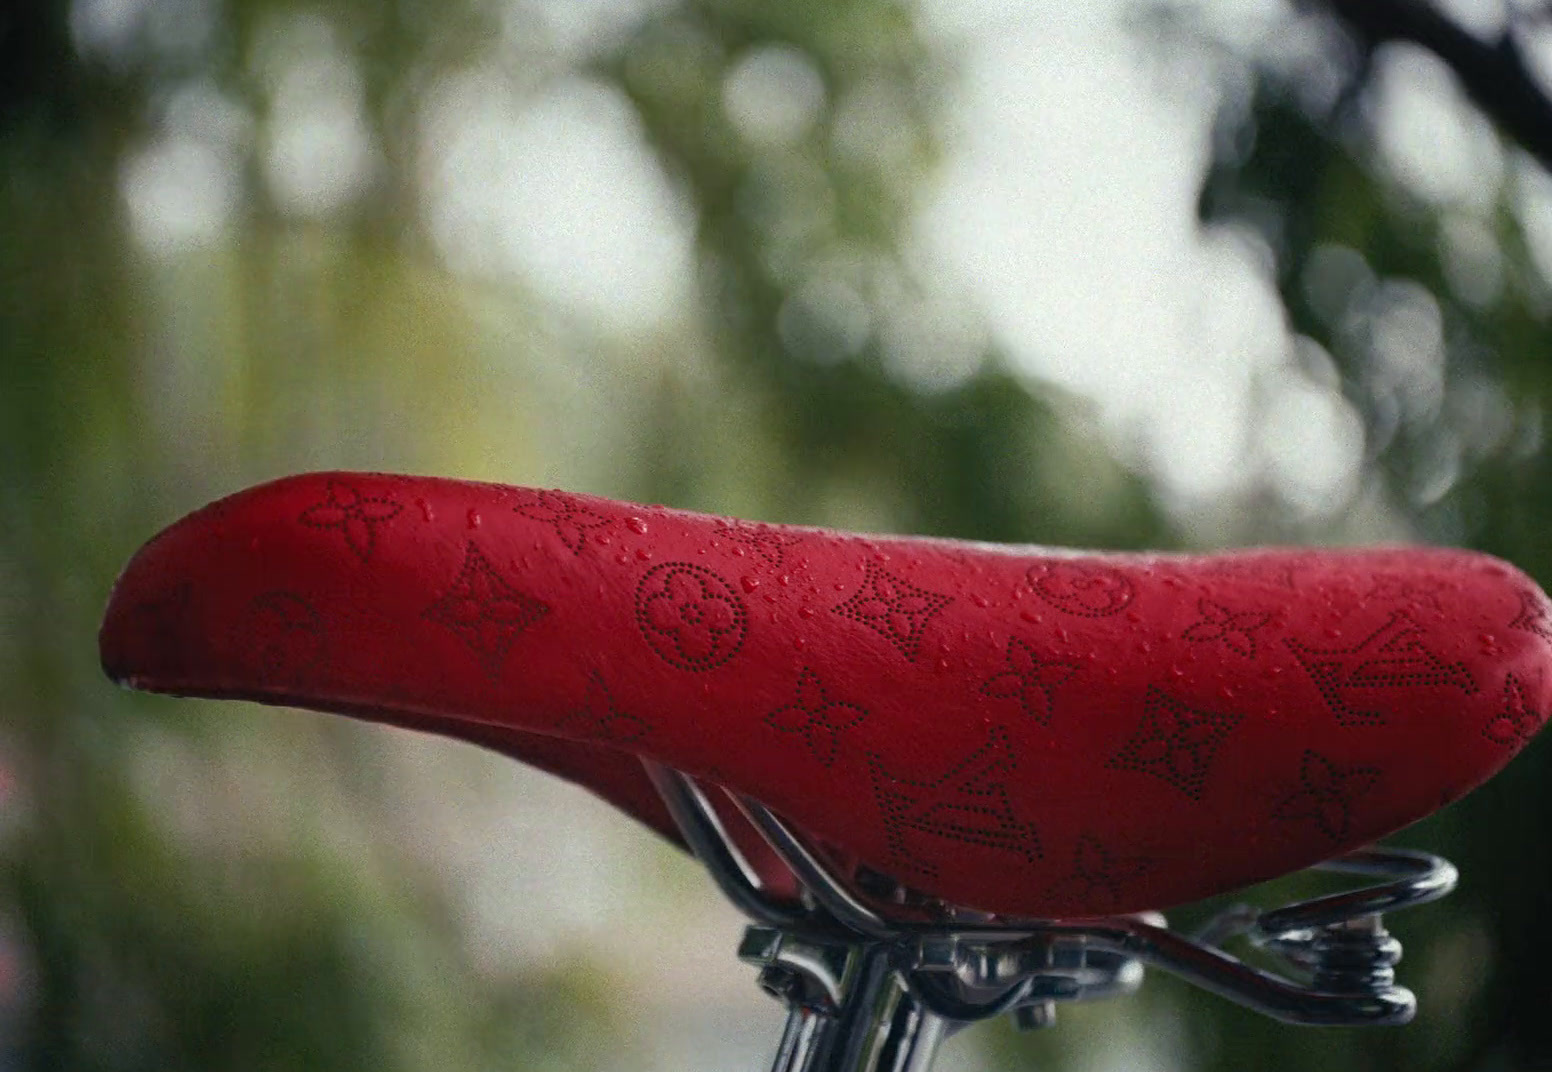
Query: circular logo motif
{"x": 1082, "y": 588}
{"x": 690, "y": 616}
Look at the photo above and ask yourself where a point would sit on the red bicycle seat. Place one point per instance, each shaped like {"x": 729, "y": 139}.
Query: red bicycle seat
{"x": 1015, "y": 729}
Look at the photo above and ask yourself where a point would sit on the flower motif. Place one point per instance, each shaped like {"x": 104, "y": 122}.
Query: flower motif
{"x": 354, "y": 514}
{"x": 570, "y": 520}
{"x": 1327, "y": 795}
{"x": 769, "y": 543}
{"x": 817, "y": 717}
{"x": 1174, "y": 742}
{"x": 485, "y": 611}
{"x": 1400, "y": 590}
{"x": 1235, "y": 628}
{"x": 599, "y": 719}
{"x": 690, "y": 616}
{"x": 896, "y": 609}
{"x": 1519, "y": 721}
{"x": 283, "y": 637}
{"x": 1030, "y": 680}
{"x": 1098, "y": 877}
{"x": 1533, "y": 616}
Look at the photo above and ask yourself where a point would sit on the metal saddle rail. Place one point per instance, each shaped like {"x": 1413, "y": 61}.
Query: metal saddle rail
{"x": 874, "y": 981}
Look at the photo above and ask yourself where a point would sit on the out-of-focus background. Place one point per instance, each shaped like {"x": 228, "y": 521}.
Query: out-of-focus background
{"x": 1119, "y": 274}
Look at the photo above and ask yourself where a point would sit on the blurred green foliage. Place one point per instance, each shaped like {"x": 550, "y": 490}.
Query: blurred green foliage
{"x": 135, "y": 386}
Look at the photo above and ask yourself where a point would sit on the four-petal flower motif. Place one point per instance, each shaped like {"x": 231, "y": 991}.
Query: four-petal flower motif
{"x": 817, "y": 717}
{"x": 354, "y": 514}
{"x": 1030, "y": 680}
{"x": 600, "y": 720}
{"x": 896, "y": 609}
{"x": 690, "y": 616}
{"x": 1235, "y": 628}
{"x": 1327, "y": 795}
{"x": 486, "y": 612}
{"x": 1098, "y": 876}
{"x": 569, "y": 518}
{"x": 768, "y": 542}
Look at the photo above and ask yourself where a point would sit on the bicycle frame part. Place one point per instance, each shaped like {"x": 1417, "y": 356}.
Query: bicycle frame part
{"x": 874, "y": 984}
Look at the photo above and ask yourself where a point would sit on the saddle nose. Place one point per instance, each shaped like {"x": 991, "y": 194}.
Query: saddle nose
{"x": 1015, "y": 729}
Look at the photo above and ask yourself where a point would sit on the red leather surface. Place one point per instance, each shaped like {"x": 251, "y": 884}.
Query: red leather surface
{"x": 1012, "y": 729}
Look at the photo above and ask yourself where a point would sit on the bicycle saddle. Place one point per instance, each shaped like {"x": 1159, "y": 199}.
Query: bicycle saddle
{"x": 1014, "y": 729}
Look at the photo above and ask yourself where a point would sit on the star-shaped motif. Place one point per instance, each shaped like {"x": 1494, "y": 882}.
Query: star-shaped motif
{"x": 598, "y": 718}
{"x": 1534, "y": 616}
{"x": 1400, "y": 590}
{"x": 817, "y": 717}
{"x": 896, "y": 609}
{"x": 1236, "y": 629}
{"x": 1030, "y": 680}
{"x": 570, "y": 519}
{"x": 1518, "y": 722}
{"x": 354, "y": 514}
{"x": 1326, "y": 795}
{"x": 486, "y": 612}
{"x": 1174, "y": 742}
{"x": 1393, "y": 656}
{"x": 968, "y": 803}
{"x": 1098, "y": 877}
{"x": 768, "y": 542}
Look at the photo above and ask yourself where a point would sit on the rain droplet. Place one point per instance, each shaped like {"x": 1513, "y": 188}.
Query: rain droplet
{"x": 425, "y": 509}
{"x": 749, "y": 583}
{"x": 643, "y": 555}
{"x": 980, "y": 601}
{"x": 636, "y": 525}
{"x": 473, "y": 518}
{"x": 805, "y": 611}
{"x": 799, "y": 643}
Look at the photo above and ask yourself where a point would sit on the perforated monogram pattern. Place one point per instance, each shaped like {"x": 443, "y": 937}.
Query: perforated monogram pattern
{"x": 1047, "y": 735}
{"x": 897, "y": 610}
{"x": 1393, "y": 656}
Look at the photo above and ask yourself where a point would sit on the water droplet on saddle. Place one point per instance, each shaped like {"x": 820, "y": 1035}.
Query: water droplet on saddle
{"x": 749, "y": 583}
{"x": 784, "y": 580}
{"x": 643, "y": 555}
{"x": 473, "y": 518}
{"x": 1178, "y": 671}
{"x": 623, "y": 558}
{"x": 1145, "y": 647}
{"x": 738, "y": 552}
{"x": 604, "y": 539}
{"x": 980, "y": 601}
{"x": 942, "y": 665}
{"x": 799, "y": 643}
{"x": 1029, "y": 616}
{"x": 636, "y": 525}
{"x": 805, "y": 611}
{"x": 425, "y": 509}
{"x": 840, "y": 586}
{"x": 1133, "y": 617}
{"x": 1227, "y": 692}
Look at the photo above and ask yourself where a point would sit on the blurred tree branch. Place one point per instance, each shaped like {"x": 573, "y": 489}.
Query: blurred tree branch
{"x": 1494, "y": 74}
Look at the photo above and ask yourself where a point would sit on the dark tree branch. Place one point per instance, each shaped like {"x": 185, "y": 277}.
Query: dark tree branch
{"x": 1494, "y": 74}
